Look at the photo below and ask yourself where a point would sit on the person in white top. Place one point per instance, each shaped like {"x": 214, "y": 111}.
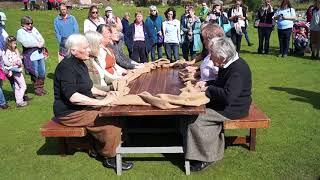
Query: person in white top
{"x": 93, "y": 20}
{"x": 33, "y": 53}
{"x": 171, "y": 31}
{"x": 237, "y": 16}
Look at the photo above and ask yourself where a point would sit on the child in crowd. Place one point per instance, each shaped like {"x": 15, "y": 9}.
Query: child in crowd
{"x": 13, "y": 67}
{"x": 301, "y": 41}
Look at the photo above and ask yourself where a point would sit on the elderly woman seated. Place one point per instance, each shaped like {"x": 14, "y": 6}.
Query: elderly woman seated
{"x": 96, "y": 71}
{"x": 106, "y": 55}
{"x": 74, "y": 101}
{"x": 230, "y": 98}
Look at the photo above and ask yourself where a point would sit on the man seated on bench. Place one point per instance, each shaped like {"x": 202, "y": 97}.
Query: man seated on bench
{"x": 230, "y": 97}
{"x": 74, "y": 100}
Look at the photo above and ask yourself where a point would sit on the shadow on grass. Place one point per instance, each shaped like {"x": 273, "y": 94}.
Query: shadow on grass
{"x": 305, "y": 95}
{"x": 50, "y": 147}
{"x": 50, "y": 76}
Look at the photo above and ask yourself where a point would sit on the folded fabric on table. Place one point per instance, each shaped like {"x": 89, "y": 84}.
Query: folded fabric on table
{"x": 156, "y": 101}
{"x": 130, "y": 100}
{"x": 190, "y": 87}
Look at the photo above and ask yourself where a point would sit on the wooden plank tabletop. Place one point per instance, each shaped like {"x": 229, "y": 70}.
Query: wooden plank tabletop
{"x": 163, "y": 80}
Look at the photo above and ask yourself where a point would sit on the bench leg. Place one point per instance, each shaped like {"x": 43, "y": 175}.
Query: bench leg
{"x": 253, "y": 135}
{"x": 187, "y": 167}
{"x": 63, "y": 146}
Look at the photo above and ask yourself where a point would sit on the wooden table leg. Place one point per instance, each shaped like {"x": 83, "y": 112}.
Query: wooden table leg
{"x": 253, "y": 136}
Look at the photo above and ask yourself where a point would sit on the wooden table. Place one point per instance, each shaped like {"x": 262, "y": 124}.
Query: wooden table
{"x": 164, "y": 80}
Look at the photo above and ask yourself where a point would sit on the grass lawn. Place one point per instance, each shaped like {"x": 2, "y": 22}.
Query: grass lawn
{"x": 288, "y": 90}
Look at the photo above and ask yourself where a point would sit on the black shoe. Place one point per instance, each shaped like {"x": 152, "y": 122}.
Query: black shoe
{"x": 111, "y": 163}
{"x": 27, "y": 98}
{"x": 198, "y": 165}
{"x": 5, "y": 106}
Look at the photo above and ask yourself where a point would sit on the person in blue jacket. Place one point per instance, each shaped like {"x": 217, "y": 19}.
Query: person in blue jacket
{"x": 154, "y": 21}
{"x": 190, "y": 38}
{"x": 139, "y": 38}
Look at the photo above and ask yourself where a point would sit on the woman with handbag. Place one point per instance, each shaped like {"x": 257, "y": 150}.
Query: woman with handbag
{"x": 171, "y": 30}
{"x": 264, "y": 24}
{"x": 33, "y": 53}
{"x": 93, "y": 20}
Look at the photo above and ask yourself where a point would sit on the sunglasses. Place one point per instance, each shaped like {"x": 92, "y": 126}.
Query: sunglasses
{"x": 94, "y": 12}
{"x": 29, "y": 23}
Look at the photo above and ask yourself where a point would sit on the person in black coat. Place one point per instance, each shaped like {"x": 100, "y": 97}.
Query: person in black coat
{"x": 230, "y": 98}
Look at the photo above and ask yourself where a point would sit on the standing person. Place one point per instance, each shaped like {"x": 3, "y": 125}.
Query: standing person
{"x": 218, "y": 16}
{"x": 140, "y": 39}
{"x": 50, "y": 4}
{"x": 154, "y": 23}
{"x": 285, "y": 16}
{"x": 33, "y": 57}
{"x": 230, "y": 98}
{"x": 245, "y": 32}
{"x": 204, "y": 11}
{"x": 265, "y": 27}
{"x": 315, "y": 30}
{"x": 64, "y": 25}
{"x": 93, "y": 20}
{"x": 125, "y": 28}
{"x": 3, "y": 37}
{"x": 171, "y": 30}
{"x": 13, "y": 65}
{"x": 25, "y": 3}
{"x": 237, "y": 15}
{"x": 32, "y": 4}
{"x": 74, "y": 101}
{"x": 110, "y": 18}
{"x": 191, "y": 41}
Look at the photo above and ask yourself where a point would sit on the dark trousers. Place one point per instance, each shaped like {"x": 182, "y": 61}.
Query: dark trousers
{"x": 264, "y": 39}
{"x": 139, "y": 53}
{"x": 284, "y": 39}
{"x": 236, "y": 38}
{"x": 50, "y": 5}
{"x": 172, "y": 48}
{"x": 187, "y": 47}
{"x": 32, "y": 5}
{"x": 157, "y": 46}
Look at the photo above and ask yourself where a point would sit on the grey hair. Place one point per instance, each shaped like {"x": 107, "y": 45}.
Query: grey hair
{"x": 25, "y": 20}
{"x": 74, "y": 41}
{"x": 94, "y": 39}
{"x": 222, "y": 47}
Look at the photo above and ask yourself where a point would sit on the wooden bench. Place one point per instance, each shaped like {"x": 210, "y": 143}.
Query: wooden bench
{"x": 66, "y": 135}
{"x": 255, "y": 119}
{"x": 69, "y": 138}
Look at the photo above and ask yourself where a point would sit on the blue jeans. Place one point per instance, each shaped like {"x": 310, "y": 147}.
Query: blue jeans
{"x": 2, "y": 98}
{"x": 284, "y": 38}
{"x": 172, "y": 47}
{"x": 39, "y": 68}
{"x": 153, "y": 51}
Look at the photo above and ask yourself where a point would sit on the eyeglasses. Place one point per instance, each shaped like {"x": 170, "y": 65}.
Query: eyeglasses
{"x": 94, "y": 12}
{"x": 29, "y": 23}
{"x": 153, "y": 10}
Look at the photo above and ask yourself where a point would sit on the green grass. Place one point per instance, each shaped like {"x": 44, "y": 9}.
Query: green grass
{"x": 287, "y": 90}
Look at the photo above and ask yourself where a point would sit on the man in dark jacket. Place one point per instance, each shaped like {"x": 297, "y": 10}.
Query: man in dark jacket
{"x": 125, "y": 26}
{"x": 139, "y": 38}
